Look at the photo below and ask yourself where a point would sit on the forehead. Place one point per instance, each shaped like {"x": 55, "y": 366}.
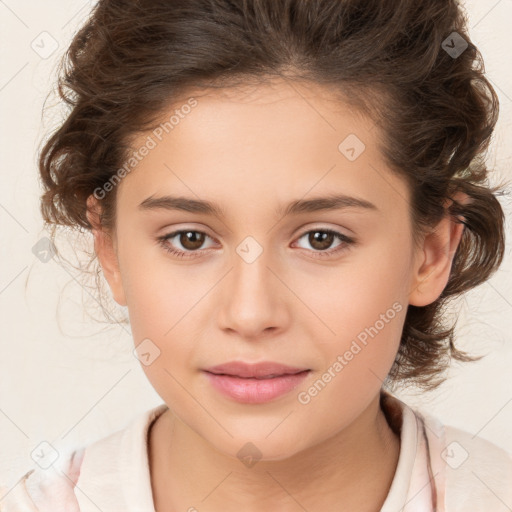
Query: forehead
{"x": 258, "y": 145}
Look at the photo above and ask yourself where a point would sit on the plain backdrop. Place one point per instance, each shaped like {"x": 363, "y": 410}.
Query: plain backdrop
{"x": 66, "y": 380}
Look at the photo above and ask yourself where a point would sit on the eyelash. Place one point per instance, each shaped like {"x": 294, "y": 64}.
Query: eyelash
{"x": 347, "y": 242}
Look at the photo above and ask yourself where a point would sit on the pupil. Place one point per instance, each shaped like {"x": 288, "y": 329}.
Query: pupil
{"x": 191, "y": 240}
{"x": 325, "y": 239}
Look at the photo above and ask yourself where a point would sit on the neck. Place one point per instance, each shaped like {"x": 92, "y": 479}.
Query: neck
{"x": 351, "y": 470}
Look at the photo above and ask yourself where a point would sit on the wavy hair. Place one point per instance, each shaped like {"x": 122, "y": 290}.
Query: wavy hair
{"x": 410, "y": 66}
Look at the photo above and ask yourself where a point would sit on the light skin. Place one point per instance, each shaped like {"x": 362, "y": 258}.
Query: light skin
{"x": 252, "y": 152}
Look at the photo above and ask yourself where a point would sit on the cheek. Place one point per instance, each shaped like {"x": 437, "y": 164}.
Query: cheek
{"x": 166, "y": 304}
{"x": 364, "y": 307}
{"x": 158, "y": 291}
{"x": 367, "y": 290}
{"x": 356, "y": 362}
{"x": 161, "y": 318}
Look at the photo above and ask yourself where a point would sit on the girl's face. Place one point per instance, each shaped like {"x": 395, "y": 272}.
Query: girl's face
{"x": 259, "y": 277}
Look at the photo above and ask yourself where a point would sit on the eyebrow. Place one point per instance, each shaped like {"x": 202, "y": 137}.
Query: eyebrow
{"x": 331, "y": 202}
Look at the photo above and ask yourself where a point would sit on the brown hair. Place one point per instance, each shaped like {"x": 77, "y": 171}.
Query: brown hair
{"x": 408, "y": 65}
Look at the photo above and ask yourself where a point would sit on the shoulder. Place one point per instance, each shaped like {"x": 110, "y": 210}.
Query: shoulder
{"x": 103, "y": 472}
{"x": 45, "y": 489}
{"x": 470, "y": 472}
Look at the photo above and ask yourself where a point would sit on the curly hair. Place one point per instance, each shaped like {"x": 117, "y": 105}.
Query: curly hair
{"x": 410, "y": 66}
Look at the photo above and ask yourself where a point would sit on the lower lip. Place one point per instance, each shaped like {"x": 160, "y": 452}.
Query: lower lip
{"x": 255, "y": 391}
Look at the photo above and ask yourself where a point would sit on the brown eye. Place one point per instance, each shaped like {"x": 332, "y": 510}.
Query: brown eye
{"x": 184, "y": 243}
{"x": 321, "y": 242}
{"x": 191, "y": 240}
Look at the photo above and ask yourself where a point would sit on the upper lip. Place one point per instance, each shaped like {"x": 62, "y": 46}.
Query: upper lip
{"x": 247, "y": 370}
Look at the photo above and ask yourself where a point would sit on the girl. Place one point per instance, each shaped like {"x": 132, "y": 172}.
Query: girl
{"x": 284, "y": 194}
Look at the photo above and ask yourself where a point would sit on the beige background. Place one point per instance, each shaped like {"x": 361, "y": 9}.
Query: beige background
{"x": 69, "y": 380}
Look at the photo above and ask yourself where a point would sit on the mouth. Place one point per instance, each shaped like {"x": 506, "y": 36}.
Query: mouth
{"x": 262, "y": 370}
{"x": 255, "y": 389}
{"x": 264, "y": 377}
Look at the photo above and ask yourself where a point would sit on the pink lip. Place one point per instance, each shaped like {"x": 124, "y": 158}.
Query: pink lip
{"x": 253, "y": 383}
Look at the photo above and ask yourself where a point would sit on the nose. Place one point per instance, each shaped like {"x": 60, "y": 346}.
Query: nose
{"x": 253, "y": 298}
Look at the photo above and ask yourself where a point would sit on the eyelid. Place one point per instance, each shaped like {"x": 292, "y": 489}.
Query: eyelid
{"x": 322, "y": 226}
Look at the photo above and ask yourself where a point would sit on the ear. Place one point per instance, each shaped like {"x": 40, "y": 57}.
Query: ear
{"x": 435, "y": 257}
{"x": 105, "y": 249}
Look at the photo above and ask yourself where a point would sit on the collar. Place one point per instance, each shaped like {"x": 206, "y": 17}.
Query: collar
{"x": 125, "y": 477}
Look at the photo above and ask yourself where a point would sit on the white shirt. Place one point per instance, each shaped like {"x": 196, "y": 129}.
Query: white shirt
{"x": 440, "y": 469}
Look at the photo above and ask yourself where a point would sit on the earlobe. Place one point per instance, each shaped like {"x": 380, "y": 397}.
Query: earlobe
{"x": 434, "y": 262}
{"x": 106, "y": 252}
